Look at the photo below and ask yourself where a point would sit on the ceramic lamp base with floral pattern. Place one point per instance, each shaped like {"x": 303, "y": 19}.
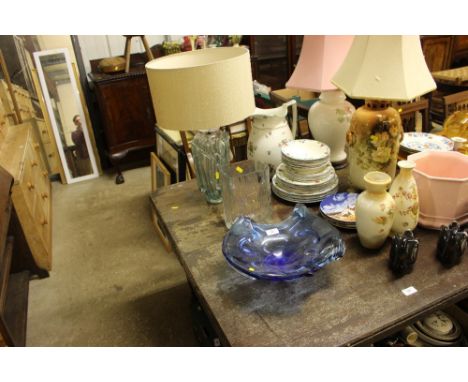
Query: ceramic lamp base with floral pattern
{"x": 373, "y": 141}
{"x": 329, "y": 120}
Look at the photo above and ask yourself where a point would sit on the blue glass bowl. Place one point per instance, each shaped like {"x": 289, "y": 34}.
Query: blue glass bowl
{"x": 298, "y": 246}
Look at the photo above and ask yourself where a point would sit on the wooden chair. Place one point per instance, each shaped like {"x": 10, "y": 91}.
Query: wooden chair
{"x": 444, "y": 105}
{"x": 278, "y": 97}
{"x": 408, "y": 114}
{"x": 237, "y": 140}
{"x": 455, "y": 102}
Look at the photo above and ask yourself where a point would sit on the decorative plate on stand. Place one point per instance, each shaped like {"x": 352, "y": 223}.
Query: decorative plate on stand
{"x": 415, "y": 142}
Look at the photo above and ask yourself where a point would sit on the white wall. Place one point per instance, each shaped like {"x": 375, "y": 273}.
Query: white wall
{"x": 50, "y": 42}
{"x": 99, "y": 46}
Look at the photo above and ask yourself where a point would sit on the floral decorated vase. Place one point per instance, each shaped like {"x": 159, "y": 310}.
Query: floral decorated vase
{"x": 373, "y": 141}
{"x": 329, "y": 120}
{"x": 375, "y": 209}
{"x": 270, "y": 132}
{"x": 404, "y": 191}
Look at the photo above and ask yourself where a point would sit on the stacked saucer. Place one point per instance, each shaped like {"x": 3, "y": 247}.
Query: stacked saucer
{"x": 305, "y": 174}
{"x": 339, "y": 209}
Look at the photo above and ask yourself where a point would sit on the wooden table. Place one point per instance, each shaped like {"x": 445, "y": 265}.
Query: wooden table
{"x": 354, "y": 301}
{"x": 455, "y": 77}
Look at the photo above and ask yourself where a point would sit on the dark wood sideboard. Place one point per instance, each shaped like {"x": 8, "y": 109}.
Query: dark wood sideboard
{"x": 127, "y": 115}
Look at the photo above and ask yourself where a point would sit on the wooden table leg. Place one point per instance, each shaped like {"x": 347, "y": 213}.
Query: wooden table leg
{"x": 128, "y": 46}
{"x": 115, "y": 160}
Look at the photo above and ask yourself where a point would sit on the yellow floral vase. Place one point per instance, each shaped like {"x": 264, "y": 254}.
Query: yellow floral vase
{"x": 405, "y": 193}
{"x": 375, "y": 209}
{"x": 373, "y": 141}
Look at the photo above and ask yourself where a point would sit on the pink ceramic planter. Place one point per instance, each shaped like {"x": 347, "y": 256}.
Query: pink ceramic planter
{"x": 442, "y": 179}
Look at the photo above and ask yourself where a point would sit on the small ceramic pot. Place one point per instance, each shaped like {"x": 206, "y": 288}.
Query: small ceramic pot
{"x": 405, "y": 193}
{"x": 375, "y": 210}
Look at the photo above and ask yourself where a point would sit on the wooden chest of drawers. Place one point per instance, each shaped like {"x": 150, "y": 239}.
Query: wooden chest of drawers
{"x": 48, "y": 150}
{"x": 31, "y": 192}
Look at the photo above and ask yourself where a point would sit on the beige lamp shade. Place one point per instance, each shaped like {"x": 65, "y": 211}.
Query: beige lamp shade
{"x": 320, "y": 58}
{"x": 385, "y": 67}
{"x": 202, "y": 89}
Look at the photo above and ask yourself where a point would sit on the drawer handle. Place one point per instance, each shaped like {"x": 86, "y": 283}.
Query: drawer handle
{"x": 30, "y": 186}
{"x": 44, "y": 173}
{"x": 36, "y": 146}
{"x": 33, "y": 164}
{"x": 43, "y": 131}
{"x": 44, "y": 195}
{"x": 50, "y": 155}
{"x": 44, "y": 221}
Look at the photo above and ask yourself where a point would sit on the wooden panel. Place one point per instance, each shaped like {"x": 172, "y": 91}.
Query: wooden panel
{"x": 273, "y": 58}
{"x": 5, "y": 265}
{"x": 437, "y": 51}
{"x": 5, "y": 204}
{"x": 126, "y": 111}
{"x": 16, "y": 310}
{"x": 460, "y": 51}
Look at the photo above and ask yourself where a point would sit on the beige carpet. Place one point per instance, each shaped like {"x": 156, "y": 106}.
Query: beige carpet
{"x": 112, "y": 282}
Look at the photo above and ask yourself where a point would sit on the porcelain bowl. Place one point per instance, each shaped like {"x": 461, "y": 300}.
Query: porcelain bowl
{"x": 442, "y": 179}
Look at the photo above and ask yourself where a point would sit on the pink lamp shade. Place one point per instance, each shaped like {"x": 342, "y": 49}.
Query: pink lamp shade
{"x": 321, "y": 57}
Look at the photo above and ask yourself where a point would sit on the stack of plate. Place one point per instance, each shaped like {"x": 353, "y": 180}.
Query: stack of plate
{"x": 339, "y": 209}
{"x": 416, "y": 142}
{"x": 438, "y": 329}
{"x": 305, "y": 174}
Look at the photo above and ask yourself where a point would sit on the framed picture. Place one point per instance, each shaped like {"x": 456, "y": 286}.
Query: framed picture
{"x": 172, "y": 154}
{"x": 160, "y": 177}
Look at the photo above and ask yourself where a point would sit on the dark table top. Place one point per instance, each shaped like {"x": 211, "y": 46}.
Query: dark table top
{"x": 354, "y": 301}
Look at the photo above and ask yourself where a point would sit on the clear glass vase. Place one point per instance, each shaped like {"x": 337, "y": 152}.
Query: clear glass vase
{"x": 246, "y": 191}
{"x": 210, "y": 150}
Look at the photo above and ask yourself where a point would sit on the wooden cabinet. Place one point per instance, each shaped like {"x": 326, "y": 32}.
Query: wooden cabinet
{"x": 31, "y": 192}
{"x": 14, "y": 286}
{"x": 127, "y": 115}
{"x": 445, "y": 52}
{"x": 273, "y": 58}
{"x": 460, "y": 51}
{"x": 437, "y": 51}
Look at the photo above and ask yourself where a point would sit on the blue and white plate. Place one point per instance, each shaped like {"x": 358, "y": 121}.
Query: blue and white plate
{"x": 340, "y": 209}
{"x": 417, "y": 142}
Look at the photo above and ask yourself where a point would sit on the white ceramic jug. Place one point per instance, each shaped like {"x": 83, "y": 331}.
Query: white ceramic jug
{"x": 270, "y": 132}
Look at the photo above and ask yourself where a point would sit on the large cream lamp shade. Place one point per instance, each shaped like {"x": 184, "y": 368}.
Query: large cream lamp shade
{"x": 202, "y": 89}
{"x": 385, "y": 67}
